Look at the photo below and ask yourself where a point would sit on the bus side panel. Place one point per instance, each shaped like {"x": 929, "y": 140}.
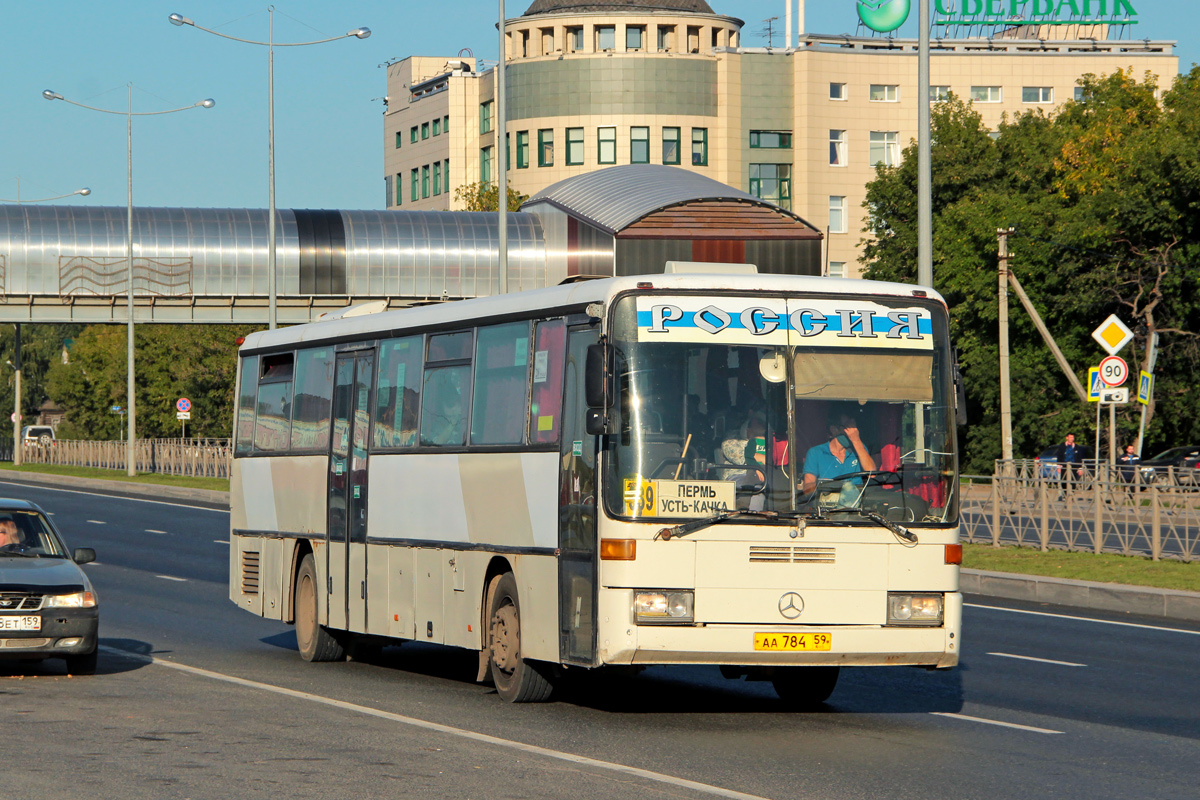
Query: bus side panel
{"x": 537, "y": 589}
{"x": 428, "y": 590}
{"x": 463, "y": 608}
{"x": 280, "y": 493}
{"x": 245, "y": 559}
{"x": 270, "y": 579}
{"x": 378, "y": 584}
{"x": 400, "y": 592}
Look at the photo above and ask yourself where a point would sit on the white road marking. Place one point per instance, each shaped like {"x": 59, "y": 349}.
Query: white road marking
{"x": 446, "y": 729}
{"x": 171, "y": 578}
{"x": 151, "y": 530}
{"x": 969, "y": 718}
{"x": 1039, "y": 660}
{"x": 1083, "y": 619}
{"x": 97, "y": 522}
{"x": 221, "y": 541}
{"x": 113, "y": 497}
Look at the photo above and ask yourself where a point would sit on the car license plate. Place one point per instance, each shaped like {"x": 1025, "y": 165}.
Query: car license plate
{"x": 20, "y": 623}
{"x": 790, "y": 642}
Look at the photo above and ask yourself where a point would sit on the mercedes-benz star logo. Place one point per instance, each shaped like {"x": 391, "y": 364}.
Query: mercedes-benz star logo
{"x": 791, "y": 605}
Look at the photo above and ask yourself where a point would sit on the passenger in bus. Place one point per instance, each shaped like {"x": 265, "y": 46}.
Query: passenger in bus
{"x": 843, "y": 454}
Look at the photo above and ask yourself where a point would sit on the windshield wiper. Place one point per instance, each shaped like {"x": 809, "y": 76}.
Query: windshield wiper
{"x": 22, "y": 553}
{"x": 899, "y": 530}
{"x": 684, "y": 528}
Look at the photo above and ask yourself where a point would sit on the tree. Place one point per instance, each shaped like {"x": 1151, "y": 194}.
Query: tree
{"x": 480, "y": 196}
{"x": 1105, "y": 198}
{"x": 41, "y": 346}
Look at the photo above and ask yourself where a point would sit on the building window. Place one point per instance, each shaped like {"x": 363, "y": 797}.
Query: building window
{"x": 437, "y": 127}
{"x": 546, "y": 147}
{"x": 485, "y": 116}
{"x": 1037, "y": 94}
{"x": 837, "y": 213}
{"x": 693, "y": 39}
{"x": 884, "y": 93}
{"x": 574, "y": 146}
{"x": 837, "y": 91}
{"x": 639, "y": 145}
{"x": 884, "y": 148}
{"x": 399, "y": 139}
{"x": 1078, "y": 94}
{"x": 778, "y": 140}
{"x": 993, "y": 135}
{"x": 575, "y": 39}
{"x": 606, "y": 37}
{"x": 699, "y": 147}
{"x": 837, "y": 148}
{"x": 772, "y": 182}
{"x": 437, "y": 178}
{"x": 425, "y": 181}
{"x": 416, "y": 185}
{"x": 399, "y": 188}
{"x": 446, "y": 176}
{"x": 522, "y": 149}
{"x": 608, "y": 145}
{"x": 937, "y": 94}
{"x": 985, "y": 94}
{"x": 635, "y": 37}
{"x": 670, "y": 139}
{"x": 446, "y": 124}
{"x": 424, "y": 130}
{"x": 547, "y": 35}
{"x": 485, "y": 165}
{"x": 837, "y": 269}
{"x": 666, "y": 37}
{"x": 412, "y": 133}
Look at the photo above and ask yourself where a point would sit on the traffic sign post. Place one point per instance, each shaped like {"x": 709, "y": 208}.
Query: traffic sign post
{"x": 1094, "y": 384}
{"x": 1112, "y": 334}
{"x": 183, "y": 412}
{"x": 1145, "y": 386}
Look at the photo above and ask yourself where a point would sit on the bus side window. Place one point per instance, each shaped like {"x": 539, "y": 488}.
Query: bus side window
{"x": 247, "y": 392}
{"x": 398, "y": 392}
{"x": 545, "y": 406}
{"x": 445, "y": 390}
{"x": 500, "y": 394}
{"x": 272, "y": 425}
{"x": 313, "y": 400}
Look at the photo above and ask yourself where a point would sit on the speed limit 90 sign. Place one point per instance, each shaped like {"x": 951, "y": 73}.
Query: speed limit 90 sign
{"x": 1114, "y": 371}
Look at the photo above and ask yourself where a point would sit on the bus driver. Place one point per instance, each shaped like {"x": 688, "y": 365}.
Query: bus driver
{"x": 843, "y": 454}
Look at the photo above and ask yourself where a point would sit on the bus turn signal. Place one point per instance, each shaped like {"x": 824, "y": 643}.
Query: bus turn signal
{"x": 954, "y": 554}
{"x": 618, "y": 549}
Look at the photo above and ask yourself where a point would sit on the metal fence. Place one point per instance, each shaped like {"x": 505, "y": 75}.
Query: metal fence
{"x": 1103, "y": 510}
{"x": 198, "y": 458}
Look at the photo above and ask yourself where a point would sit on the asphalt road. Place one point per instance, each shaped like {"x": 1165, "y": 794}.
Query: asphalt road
{"x": 197, "y": 699}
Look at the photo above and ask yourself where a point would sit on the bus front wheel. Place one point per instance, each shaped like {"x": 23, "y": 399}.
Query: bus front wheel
{"x": 315, "y": 643}
{"x": 804, "y": 687}
{"x": 517, "y": 680}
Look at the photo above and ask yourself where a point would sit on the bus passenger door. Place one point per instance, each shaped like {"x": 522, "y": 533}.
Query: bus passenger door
{"x": 577, "y": 512}
{"x": 347, "y": 549}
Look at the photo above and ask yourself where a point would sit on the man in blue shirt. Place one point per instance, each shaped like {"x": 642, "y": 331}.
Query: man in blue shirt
{"x": 843, "y": 454}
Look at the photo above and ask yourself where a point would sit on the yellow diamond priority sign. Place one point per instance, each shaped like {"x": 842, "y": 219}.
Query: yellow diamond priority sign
{"x": 1112, "y": 334}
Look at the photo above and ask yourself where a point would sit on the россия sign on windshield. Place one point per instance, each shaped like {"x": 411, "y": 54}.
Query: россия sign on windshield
{"x": 884, "y": 16}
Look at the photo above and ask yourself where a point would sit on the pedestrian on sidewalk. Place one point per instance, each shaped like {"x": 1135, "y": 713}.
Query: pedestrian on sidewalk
{"x": 1069, "y": 457}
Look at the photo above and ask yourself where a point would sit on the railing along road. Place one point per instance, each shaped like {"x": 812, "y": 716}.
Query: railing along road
{"x": 197, "y": 458}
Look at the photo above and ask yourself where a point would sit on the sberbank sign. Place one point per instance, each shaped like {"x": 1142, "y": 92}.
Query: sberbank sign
{"x": 884, "y": 16}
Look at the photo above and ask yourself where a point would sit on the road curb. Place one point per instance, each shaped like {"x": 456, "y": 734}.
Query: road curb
{"x": 1143, "y": 600}
{"x": 207, "y": 497}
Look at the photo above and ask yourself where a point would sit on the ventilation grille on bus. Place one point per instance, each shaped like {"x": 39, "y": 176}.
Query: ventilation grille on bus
{"x": 792, "y": 555}
{"x": 250, "y": 571}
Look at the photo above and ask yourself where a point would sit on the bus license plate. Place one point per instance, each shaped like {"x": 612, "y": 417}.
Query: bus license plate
{"x": 790, "y": 642}
{"x": 20, "y": 623}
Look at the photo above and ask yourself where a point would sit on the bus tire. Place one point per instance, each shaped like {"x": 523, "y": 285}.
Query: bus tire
{"x": 804, "y": 687}
{"x": 314, "y": 641}
{"x": 517, "y": 679}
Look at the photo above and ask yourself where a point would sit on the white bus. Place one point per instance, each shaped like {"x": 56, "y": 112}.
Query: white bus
{"x": 629, "y": 471}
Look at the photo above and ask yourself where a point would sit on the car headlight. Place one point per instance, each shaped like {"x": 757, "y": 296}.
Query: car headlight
{"x": 663, "y": 607}
{"x": 914, "y": 609}
{"x": 76, "y": 600}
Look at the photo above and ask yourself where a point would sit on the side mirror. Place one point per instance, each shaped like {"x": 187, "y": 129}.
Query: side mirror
{"x": 595, "y": 421}
{"x": 960, "y": 394}
{"x": 83, "y": 555}
{"x": 596, "y": 373}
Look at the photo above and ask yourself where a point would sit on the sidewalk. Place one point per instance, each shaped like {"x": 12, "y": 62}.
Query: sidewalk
{"x": 1141, "y": 600}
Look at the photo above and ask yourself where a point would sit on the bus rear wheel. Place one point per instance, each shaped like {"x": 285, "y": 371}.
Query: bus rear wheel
{"x": 517, "y": 680}
{"x": 315, "y": 643}
{"x": 804, "y": 687}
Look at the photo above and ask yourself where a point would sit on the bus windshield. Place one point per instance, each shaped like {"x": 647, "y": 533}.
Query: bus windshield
{"x": 826, "y": 407}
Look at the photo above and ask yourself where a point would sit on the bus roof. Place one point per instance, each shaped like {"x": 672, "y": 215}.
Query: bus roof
{"x": 568, "y": 296}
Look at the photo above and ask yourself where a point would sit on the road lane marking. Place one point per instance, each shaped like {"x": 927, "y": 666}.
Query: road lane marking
{"x": 1039, "y": 660}
{"x": 113, "y": 496}
{"x": 221, "y": 541}
{"x": 171, "y": 578}
{"x": 151, "y": 530}
{"x": 1083, "y": 619}
{"x": 969, "y": 718}
{"x": 97, "y": 522}
{"x": 484, "y": 738}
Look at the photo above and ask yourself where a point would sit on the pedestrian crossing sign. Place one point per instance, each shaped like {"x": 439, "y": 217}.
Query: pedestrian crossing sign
{"x": 1145, "y": 384}
{"x": 1095, "y": 385}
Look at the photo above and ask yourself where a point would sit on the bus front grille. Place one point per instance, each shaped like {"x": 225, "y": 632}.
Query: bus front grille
{"x": 250, "y": 560}
{"x": 791, "y": 555}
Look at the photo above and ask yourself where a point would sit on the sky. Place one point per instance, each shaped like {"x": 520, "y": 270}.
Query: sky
{"x": 328, "y": 97}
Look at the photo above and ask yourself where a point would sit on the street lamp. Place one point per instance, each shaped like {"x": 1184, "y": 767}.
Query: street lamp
{"x": 130, "y": 459}
{"x": 16, "y": 362}
{"x": 270, "y": 44}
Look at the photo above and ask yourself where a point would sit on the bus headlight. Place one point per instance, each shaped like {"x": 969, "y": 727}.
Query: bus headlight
{"x": 76, "y": 600}
{"x": 663, "y": 607}
{"x": 914, "y": 609}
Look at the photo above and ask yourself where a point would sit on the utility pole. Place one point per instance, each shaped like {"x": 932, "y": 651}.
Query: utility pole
{"x": 1151, "y": 357}
{"x": 1006, "y": 451}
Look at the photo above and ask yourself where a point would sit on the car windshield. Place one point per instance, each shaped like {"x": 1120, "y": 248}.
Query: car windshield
{"x": 1173, "y": 453}
{"x": 710, "y": 417}
{"x": 26, "y": 534}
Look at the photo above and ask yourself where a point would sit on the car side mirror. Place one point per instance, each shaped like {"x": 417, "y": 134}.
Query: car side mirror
{"x": 960, "y": 394}
{"x": 83, "y": 555}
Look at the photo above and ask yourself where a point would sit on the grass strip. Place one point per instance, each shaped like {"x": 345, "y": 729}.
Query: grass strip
{"x": 1103, "y": 567}
{"x": 216, "y": 484}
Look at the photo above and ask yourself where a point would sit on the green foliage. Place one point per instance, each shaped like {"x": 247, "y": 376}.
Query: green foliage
{"x": 480, "y": 196}
{"x": 41, "y": 346}
{"x": 1105, "y": 199}
{"x": 172, "y": 361}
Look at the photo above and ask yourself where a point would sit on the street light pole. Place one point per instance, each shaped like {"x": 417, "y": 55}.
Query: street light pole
{"x": 270, "y": 44}
{"x": 130, "y": 444}
{"x": 924, "y": 158}
{"x": 502, "y": 158}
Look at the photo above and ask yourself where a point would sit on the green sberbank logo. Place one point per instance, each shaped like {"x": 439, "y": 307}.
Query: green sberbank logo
{"x": 883, "y": 16}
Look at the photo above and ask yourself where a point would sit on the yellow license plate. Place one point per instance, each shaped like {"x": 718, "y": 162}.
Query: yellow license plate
{"x": 791, "y": 642}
